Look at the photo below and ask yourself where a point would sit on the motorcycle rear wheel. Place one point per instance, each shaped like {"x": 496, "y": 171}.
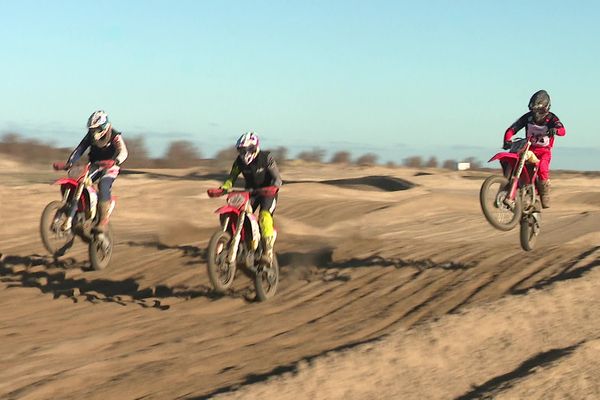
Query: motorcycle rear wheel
{"x": 267, "y": 280}
{"x": 55, "y": 240}
{"x": 494, "y": 191}
{"x": 99, "y": 251}
{"x": 220, "y": 273}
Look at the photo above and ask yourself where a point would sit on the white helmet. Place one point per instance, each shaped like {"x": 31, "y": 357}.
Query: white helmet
{"x": 247, "y": 147}
{"x": 99, "y": 128}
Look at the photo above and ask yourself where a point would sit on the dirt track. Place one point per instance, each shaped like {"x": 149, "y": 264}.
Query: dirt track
{"x": 366, "y": 268}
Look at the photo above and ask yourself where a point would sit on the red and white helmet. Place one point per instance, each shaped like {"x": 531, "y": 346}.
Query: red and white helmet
{"x": 99, "y": 128}
{"x": 247, "y": 147}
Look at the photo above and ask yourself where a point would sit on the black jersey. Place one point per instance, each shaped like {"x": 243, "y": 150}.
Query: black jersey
{"x": 261, "y": 172}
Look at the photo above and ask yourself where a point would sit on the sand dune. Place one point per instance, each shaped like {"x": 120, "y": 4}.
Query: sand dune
{"x": 393, "y": 285}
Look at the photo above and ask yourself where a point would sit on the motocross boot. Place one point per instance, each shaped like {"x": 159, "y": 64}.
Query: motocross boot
{"x": 103, "y": 210}
{"x": 267, "y": 255}
{"x": 544, "y": 191}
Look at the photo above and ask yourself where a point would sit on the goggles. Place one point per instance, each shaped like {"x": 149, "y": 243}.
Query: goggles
{"x": 246, "y": 150}
{"x": 98, "y": 131}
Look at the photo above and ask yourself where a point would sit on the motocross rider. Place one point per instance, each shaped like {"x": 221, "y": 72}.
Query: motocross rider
{"x": 542, "y": 126}
{"x": 259, "y": 170}
{"x": 107, "y": 151}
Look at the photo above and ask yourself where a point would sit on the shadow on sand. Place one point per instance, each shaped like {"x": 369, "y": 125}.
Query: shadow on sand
{"x": 52, "y": 276}
{"x": 199, "y": 256}
{"x": 567, "y": 273}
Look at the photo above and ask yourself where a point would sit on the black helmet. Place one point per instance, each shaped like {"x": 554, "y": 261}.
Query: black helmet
{"x": 539, "y": 104}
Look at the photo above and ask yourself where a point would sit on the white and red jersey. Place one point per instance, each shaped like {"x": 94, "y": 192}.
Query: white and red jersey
{"x": 539, "y": 132}
{"x": 114, "y": 150}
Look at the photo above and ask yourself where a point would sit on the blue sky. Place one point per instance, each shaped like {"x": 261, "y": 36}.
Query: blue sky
{"x": 442, "y": 78}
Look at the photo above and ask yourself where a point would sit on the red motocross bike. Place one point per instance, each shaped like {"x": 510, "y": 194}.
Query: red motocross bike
{"x": 79, "y": 202}
{"x": 513, "y": 198}
{"x": 238, "y": 242}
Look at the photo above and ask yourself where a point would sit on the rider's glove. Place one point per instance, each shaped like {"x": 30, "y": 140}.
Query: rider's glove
{"x": 507, "y": 145}
{"x": 58, "y": 166}
{"x": 227, "y": 185}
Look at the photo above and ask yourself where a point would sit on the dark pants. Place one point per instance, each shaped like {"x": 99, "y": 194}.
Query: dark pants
{"x": 266, "y": 203}
{"x": 105, "y": 181}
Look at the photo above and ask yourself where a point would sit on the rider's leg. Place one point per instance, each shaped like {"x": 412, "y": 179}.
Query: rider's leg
{"x": 544, "y": 177}
{"x": 267, "y": 231}
{"x": 104, "y": 201}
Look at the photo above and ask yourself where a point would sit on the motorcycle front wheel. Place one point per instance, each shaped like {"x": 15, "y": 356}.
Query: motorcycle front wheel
{"x": 100, "y": 249}
{"x": 492, "y": 197}
{"x": 529, "y": 232}
{"x": 55, "y": 240}
{"x": 220, "y": 272}
{"x": 266, "y": 280}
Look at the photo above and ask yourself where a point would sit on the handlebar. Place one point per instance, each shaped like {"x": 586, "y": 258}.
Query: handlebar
{"x": 102, "y": 164}
{"x": 267, "y": 191}
{"x": 517, "y": 144}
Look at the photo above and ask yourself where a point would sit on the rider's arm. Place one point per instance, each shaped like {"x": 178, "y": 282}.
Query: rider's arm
{"x": 233, "y": 174}
{"x": 79, "y": 150}
{"x": 121, "y": 153}
{"x": 515, "y": 127}
{"x": 274, "y": 171}
{"x": 559, "y": 128}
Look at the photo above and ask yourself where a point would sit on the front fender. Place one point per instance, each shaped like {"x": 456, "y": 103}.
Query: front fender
{"x": 66, "y": 182}
{"x": 227, "y": 209}
{"x": 504, "y": 156}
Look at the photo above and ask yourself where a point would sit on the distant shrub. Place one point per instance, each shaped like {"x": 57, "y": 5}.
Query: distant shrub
{"x": 432, "y": 162}
{"x": 31, "y": 150}
{"x": 367, "y": 160}
{"x": 314, "y": 155}
{"x": 280, "y": 154}
{"x": 449, "y": 164}
{"x": 341, "y": 157}
{"x": 224, "y": 158}
{"x": 413, "y": 162}
{"x": 475, "y": 163}
{"x": 138, "y": 152}
{"x": 391, "y": 164}
{"x": 181, "y": 154}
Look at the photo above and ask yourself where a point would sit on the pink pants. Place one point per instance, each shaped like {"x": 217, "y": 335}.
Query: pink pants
{"x": 545, "y": 155}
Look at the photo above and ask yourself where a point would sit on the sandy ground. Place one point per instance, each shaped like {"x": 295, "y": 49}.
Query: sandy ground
{"x": 393, "y": 286}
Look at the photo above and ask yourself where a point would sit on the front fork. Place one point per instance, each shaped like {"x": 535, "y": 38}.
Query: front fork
{"x": 72, "y": 208}
{"x": 517, "y": 174}
{"x": 515, "y": 180}
{"x": 237, "y": 236}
